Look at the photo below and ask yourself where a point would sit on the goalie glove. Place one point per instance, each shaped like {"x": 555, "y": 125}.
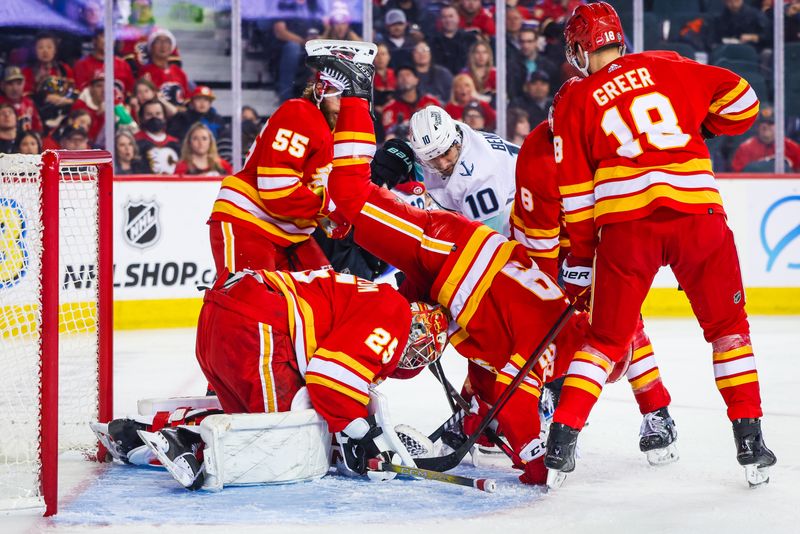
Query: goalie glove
{"x": 354, "y": 79}
{"x": 393, "y": 164}
{"x": 360, "y": 441}
{"x": 577, "y": 276}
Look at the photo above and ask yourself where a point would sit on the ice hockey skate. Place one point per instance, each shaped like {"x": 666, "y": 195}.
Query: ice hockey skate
{"x": 176, "y": 449}
{"x": 560, "y": 457}
{"x": 657, "y": 437}
{"x": 122, "y": 442}
{"x": 752, "y": 452}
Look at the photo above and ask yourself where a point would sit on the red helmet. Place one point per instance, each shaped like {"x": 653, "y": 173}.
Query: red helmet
{"x": 592, "y": 26}
{"x": 559, "y": 95}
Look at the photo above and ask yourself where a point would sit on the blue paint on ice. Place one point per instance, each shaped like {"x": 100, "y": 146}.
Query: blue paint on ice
{"x": 124, "y": 494}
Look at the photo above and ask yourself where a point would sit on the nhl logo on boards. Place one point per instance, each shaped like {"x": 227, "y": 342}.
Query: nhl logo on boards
{"x": 141, "y": 227}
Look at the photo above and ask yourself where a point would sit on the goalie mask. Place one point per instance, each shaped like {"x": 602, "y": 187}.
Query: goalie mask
{"x": 426, "y": 341}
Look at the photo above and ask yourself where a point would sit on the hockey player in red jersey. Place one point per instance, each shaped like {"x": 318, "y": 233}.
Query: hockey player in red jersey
{"x": 263, "y": 336}
{"x": 501, "y": 304}
{"x": 537, "y": 221}
{"x": 639, "y": 193}
{"x": 265, "y": 214}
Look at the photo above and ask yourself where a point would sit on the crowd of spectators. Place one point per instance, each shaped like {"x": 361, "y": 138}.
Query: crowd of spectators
{"x": 429, "y": 52}
{"x": 163, "y": 123}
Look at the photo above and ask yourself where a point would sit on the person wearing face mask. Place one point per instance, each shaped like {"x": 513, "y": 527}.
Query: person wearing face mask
{"x": 160, "y": 150}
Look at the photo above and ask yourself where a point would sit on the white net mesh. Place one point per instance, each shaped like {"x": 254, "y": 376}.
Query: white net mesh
{"x": 20, "y": 299}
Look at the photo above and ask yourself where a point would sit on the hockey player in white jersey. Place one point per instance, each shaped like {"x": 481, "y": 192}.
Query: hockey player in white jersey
{"x": 465, "y": 171}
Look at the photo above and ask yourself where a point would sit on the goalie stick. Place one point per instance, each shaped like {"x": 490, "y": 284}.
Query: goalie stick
{"x": 453, "y": 396}
{"x": 484, "y": 484}
{"x": 449, "y": 461}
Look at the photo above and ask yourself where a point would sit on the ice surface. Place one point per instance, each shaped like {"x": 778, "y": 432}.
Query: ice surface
{"x": 612, "y": 490}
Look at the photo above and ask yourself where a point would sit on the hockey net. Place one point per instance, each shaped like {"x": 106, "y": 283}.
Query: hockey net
{"x": 55, "y": 317}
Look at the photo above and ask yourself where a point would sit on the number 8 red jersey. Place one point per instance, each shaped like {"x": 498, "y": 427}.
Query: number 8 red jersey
{"x": 628, "y": 140}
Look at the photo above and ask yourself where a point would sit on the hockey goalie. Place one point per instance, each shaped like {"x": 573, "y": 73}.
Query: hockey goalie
{"x": 293, "y": 358}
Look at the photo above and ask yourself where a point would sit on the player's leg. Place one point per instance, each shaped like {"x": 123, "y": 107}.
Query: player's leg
{"x": 704, "y": 260}
{"x": 657, "y": 434}
{"x": 235, "y": 247}
{"x": 626, "y": 261}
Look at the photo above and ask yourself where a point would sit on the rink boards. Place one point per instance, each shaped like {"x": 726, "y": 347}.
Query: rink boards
{"x": 162, "y": 256}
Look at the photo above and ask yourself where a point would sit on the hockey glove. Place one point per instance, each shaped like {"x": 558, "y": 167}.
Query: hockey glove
{"x": 576, "y": 274}
{"x": 393, "y": 164}
{"x": 335, "y": 225}
{"x": 355, "y": 78}
{"x": 535, "y": 471}
{"x": 360, "y": 441}
{"x": 478, "y": 410}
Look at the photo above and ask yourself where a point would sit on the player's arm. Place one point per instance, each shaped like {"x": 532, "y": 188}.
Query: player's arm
{"x": 536, "y": 216}
{"x": 284, "y": 151}
{"x": 733, "y": 105}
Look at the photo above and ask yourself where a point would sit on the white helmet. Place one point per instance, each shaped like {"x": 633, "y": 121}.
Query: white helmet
{"x": 433, "y": 132}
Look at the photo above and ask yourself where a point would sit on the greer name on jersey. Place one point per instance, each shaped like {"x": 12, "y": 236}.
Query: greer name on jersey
{"x": 481, "y": 186}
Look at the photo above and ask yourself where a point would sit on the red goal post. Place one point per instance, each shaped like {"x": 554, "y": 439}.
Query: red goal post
{"x": 56, "y": 322}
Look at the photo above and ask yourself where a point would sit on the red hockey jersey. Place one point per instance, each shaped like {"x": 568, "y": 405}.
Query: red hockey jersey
{"x": 274, "y": 193}
{"x": 628, "y": 140}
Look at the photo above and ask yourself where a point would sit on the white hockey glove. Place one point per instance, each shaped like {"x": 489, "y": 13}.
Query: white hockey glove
{"x": 360, "y": 441}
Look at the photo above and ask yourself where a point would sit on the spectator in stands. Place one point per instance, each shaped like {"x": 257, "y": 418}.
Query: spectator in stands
{"x": 77, "y": 118}
{"x": 792, "y": 18}
{"x": 251, "y": 126}
{"x": 529, "y": 62}
{"x": 92, "y": 99}
{"x": 480, "y": 67}
{"x": 473, "y": 116}
{"x": 385, "y": 81}
{"x": 75, "y": 139}
{"x": 168, "y": 77}
{"x": 409, "y": 8}
{"x": 29, "y": 142}
{"x": 451, "y": 44}
{"x": 514, "y": 21}
{"x": 338, "y": 26}
{"x": 475, "y": 17}
{"x": 8, "y": 128}
{"x": 741, "y": 23}
{"x": 555, "y": 10}
{"x": 157, "y": 148}
{"x": 145, "y": 91}
{"x": 46, "y": 65}
{"x": 297, "y": 20}
{"x": 126, "y": 155}
{"x": 761, "y": 146}
{"x": 14, "y": 94}
{"x": 433, "y": 79}
{"x": 397, "y": 39}
{"x": 519, "y": 126}
{"x": 535, "y": 99}
{"x": 199, "y": 154}
{"x": 86, "y": 67}
{"x": 407, "y": 99}
{"x": 200, "y": 110}
{"x": 464, "y": 93}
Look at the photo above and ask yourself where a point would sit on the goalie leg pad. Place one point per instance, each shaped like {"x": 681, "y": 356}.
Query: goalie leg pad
{"x": 265, "y": 448}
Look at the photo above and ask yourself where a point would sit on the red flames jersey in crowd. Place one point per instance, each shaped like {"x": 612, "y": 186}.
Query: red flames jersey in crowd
{"x": 173, "y": 75}
{"x": 274, "y": 193}
{"x": 537, "y": 220}
{"x": 87, "y": 66}
{"x": 489, "y": 284}
{"x": 260, "y": 339}
{"x": 611, "y": 172}
{"x": 398, "y": 111}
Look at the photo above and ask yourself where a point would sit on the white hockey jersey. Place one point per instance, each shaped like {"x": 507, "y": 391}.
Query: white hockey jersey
{"x": 482, "y": 185}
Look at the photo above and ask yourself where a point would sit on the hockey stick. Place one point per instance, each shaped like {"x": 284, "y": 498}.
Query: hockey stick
{"x": 484, "y": 484}
{"x": 449, "y": 461}
{"x": 454, "y": 396}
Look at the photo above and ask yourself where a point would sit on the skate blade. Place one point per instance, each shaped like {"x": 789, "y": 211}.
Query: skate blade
{"x": 155, "y": 444}
{"x": 101, "y": 433}
{"x": 667, "y": 455}
{"x": 756, "y": 476}
{"x": 555, "y": 478}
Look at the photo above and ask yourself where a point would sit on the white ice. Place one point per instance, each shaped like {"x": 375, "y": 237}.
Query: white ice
{"x": 612, "y": 490}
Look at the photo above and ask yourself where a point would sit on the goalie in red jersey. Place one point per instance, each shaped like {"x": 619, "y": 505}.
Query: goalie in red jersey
{"x": 639, "y": 193}
{"x": 501, "y": 304}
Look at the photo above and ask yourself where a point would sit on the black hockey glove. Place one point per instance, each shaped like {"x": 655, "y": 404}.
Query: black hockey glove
{"x": 393, "y": 163}
{"x": 356, "y": 77}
